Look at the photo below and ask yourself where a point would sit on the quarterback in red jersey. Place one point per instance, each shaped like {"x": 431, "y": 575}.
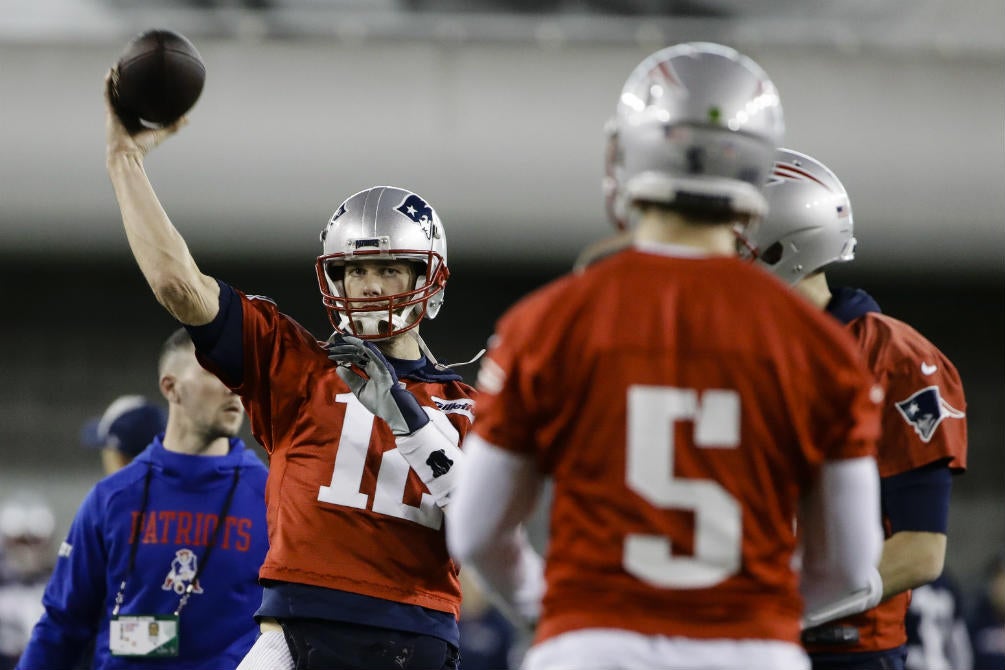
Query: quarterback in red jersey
{"x": 924, "y": 432}
{"x": 684, "y": 403}
{"x": 362, "y": 431}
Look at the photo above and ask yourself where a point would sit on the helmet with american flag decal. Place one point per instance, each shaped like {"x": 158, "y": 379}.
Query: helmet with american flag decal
{"x": 809, "y": 223}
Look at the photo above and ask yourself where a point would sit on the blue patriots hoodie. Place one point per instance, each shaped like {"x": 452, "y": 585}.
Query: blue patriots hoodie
{"x": 187, "y": 495}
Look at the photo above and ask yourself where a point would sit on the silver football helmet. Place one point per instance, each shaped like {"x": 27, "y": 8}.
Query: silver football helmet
{"x": 696, "y": 126}
{"x": 27, "y": 531}
{"x": 383, "y": 223}
{"x": 809, "y": 222}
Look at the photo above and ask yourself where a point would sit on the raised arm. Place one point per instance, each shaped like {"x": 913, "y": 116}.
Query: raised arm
{"x": 162, "y": 254}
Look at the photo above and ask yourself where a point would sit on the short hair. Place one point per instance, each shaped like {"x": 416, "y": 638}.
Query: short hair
{"x": 699, "y": 212}
{"x": 177, "y": 341}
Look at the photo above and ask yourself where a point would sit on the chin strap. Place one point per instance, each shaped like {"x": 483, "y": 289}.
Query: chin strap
{"x": 369, "y": 324}
{"x": 424, "y": 348}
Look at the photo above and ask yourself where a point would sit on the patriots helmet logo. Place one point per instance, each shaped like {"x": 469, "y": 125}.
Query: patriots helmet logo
{"x": 925, "y": 410}
{"x": 416, "y": 209}
{"x": 331, "y": 221}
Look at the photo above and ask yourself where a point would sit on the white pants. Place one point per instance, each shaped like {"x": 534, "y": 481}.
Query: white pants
{"x": 612, "y": 649}
{"x": 269, "y": 652}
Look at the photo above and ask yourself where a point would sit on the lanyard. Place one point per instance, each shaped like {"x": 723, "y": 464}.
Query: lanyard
{"x": 134, "y": 543}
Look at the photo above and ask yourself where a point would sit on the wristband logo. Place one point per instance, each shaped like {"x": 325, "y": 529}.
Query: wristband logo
{"x": 439, "y": 463}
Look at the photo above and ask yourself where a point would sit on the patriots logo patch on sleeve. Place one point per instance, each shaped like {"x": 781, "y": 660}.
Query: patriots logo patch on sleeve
{"x": 925, "y": 410}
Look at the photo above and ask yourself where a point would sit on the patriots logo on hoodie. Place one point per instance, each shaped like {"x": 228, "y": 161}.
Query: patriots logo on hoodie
{"x": 925, "y": 410}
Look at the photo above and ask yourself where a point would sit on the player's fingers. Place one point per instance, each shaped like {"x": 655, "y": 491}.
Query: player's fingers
{"x": 344, "y": 344}
{"x": 351, "y": 378}
{"x": 346, "y": 353}
{"x": 176, "y": 126}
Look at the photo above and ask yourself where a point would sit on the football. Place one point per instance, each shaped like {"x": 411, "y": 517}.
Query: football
{"x": 158, "y": 78}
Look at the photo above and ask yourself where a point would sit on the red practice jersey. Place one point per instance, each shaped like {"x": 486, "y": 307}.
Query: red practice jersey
{"x": 923, "y": 422}
{"x": 345, "y": 511}
{"x": 683, "y": 407}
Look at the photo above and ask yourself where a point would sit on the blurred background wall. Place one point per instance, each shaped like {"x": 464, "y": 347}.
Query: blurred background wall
{"x": 493, "y": 110}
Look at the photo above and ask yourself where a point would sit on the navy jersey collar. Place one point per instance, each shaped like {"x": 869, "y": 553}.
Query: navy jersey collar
{"x": 847, "y": 304}
{"x": 422, "y": 370}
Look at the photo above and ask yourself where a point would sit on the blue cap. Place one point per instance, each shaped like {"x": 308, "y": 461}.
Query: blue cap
{"x": 129, "y": 424}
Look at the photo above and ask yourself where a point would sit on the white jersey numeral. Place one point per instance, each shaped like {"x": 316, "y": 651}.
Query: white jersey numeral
{"x": 652, "y": 413}
{"x": 350, "y": 461}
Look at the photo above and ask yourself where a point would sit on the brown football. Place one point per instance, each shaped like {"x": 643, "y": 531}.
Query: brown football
{"x": 160, "y": 76}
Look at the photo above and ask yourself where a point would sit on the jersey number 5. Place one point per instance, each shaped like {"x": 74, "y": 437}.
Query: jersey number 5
{"x": 715, "y": 415}
{"x": 350, "y": 461}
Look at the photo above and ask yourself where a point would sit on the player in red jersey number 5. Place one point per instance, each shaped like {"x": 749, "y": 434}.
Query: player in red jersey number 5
{"x": 683, "y": 401}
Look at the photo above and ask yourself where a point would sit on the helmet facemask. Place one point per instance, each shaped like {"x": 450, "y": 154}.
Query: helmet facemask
{"x": 381, "y": 317}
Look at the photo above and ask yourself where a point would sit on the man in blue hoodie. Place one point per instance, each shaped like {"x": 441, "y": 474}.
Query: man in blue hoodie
{"x": 160, "y": 566}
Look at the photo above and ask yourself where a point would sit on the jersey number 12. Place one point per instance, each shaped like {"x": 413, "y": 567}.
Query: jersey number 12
{"x": 350, "y": 461}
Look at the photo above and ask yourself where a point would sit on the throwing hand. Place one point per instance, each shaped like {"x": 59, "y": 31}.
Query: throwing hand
{"x": 379, "y": 390}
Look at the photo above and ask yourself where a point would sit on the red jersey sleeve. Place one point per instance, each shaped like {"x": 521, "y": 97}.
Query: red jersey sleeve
{"x": 924, "y": 415}
{"x": 517, "y": 377}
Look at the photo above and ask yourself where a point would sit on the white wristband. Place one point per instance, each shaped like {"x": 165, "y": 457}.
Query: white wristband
{"x": 435, "y": 458}
{"x": 859, "y": 601}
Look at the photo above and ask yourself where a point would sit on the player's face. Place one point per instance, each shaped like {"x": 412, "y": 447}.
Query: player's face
{"x": 377, "y": 279}
{"x": 210, "y": 408}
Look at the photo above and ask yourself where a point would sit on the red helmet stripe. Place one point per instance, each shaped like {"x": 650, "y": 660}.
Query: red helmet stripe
{"x": 787, "y": 171}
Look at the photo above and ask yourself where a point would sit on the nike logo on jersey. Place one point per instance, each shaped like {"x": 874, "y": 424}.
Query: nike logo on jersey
{"x": 927, "y": 369}
{"x": 925, "y": 410}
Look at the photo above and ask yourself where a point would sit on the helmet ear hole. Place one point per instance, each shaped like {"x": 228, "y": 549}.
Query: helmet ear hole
{"x": 773, "y": 254}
